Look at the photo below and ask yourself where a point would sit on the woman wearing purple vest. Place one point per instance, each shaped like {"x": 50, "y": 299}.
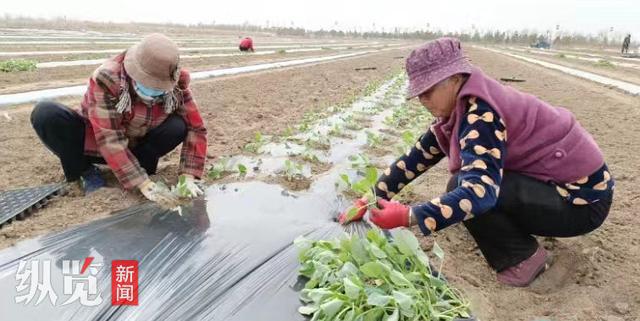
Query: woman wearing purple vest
{"x": 520, "y": 167}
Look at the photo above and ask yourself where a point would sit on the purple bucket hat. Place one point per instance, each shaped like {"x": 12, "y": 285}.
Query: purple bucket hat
{"x": 433, "y": 62}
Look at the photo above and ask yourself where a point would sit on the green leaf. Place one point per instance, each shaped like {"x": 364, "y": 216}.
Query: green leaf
{"x": 375, "y": 270}
{"x": 352, "y": 213}
{"x": 399, "y": 279}
{"x": 348, "y": 269}
{"x": 374, "y": 314}
{"x": 345, "y": 179}
{"x": 377, "y": 252}
{"x": 242, "y": 170}
{"x": 406, "y": 242}
{"x": 318, "y": 295}
{"x": 371, "y": 175}
{"x": 404, "y": 301}
{"x": 351, "y": 289}
{"x": 378, "y": 299}
{"x": 307, "y": 309}
{"x": 376, "y": 237}
{"x": 358, "y": 250}
{"x": 331, "y": 308}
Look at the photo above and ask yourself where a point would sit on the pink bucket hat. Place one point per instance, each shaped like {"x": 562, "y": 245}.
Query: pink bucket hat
{"x": 433, "y": 62}
{"x": 154, "y": 62}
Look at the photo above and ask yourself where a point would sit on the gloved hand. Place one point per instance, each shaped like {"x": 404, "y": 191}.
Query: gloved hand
{"x": 390, "y": 214}
{"x": 159, "y": 194}
{"x": 360, "y": 205}
{"x": 192, "y": 186}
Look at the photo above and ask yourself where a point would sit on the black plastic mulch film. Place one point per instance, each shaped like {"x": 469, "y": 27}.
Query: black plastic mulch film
{"x": 20, "y": 202}
{"x": 229, "y": 256}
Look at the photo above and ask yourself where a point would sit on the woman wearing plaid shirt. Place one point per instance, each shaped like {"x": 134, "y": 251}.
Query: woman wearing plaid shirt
{"x": 137, "y": 108}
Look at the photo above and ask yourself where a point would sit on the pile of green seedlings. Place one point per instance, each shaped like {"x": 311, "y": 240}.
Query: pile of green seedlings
{"x": 372, "y": 278}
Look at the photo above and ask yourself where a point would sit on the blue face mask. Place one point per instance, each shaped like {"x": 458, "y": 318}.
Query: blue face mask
{"x": 149, "y": 92}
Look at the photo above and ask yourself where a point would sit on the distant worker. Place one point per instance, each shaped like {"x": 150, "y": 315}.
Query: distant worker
{"x": 246, "y": 44}
{"x": 519, "y": 166}
{"x": 626, "y": 43}
{"x": 137, "y": 108}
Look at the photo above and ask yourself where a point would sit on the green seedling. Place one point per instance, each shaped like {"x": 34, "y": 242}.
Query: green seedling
{"x": 364, "y": 187}
{"x": 373, "y": 139}
{"x": 258, "y": 141}
{"x": 292, "y": 170}
{"x": 373, "y": 278}
{"x": 408, "y": 141}
{"x": 336, "y": 130}
{"x": 218, "y": 169}
{"x": 242, "y": 170}
{"x": 319, "y": 142}
{"x": 304, "y": 126}
{"x": 359, "y": 161}
{"x": 310, "y": 156}
{"x": 288, "y": 132}
{"x": 181, "y": 187}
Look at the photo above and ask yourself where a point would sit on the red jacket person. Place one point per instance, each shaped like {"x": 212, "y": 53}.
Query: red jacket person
{"x": 137, "y": 108}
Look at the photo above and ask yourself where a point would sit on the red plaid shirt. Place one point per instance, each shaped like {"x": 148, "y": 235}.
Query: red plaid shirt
{"x": 110, "y": 134}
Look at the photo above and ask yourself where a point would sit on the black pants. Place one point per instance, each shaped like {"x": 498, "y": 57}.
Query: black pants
{"x": 62, "y": 131}
{"x": 527, "y": 207}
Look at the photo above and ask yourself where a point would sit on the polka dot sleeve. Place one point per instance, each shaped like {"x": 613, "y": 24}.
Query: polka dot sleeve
{"x": 483, "y": 148}
{"x": 422, "y": 156}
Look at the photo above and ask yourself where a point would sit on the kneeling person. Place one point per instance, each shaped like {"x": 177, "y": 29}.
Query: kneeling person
{"x": 137, "y": 108}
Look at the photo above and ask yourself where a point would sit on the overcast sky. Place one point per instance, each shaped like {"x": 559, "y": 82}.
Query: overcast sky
{"x": 587, "y": 16}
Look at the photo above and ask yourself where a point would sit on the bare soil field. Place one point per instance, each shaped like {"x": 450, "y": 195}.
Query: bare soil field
{"x": 45, "y": 78}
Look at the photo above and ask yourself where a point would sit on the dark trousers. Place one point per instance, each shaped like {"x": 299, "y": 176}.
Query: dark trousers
{"x": 62, "y": 131}
{"x": 528, "y": 207}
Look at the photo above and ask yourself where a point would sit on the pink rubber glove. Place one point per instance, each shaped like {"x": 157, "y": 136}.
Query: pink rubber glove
{"x": 390, "y": 214}
{"x": 361, "y": 205}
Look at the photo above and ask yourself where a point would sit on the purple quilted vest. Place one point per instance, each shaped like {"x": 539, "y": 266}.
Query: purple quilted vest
{"x": 543, "y": 141}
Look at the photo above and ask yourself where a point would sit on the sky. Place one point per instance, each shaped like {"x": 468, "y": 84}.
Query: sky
{"x": 585, "y": 16}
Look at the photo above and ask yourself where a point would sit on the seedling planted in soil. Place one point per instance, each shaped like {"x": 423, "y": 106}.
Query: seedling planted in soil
{"x": 359, "y": 161}
{"x": 257, "y": 143}
{"x": 292, "y": 170}
{"x": 320, "y": 142}
{"x": 218, "y": 169}
{"x": 242, "y": 170}
{"x": 373, "y": 139}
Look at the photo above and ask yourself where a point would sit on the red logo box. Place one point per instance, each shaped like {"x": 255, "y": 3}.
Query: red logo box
{"x": 124, "y": 282}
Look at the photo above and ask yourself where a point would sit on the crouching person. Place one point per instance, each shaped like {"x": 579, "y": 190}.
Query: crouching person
{"x": 519, "y": 167}
{"x": 137, "y": 108}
